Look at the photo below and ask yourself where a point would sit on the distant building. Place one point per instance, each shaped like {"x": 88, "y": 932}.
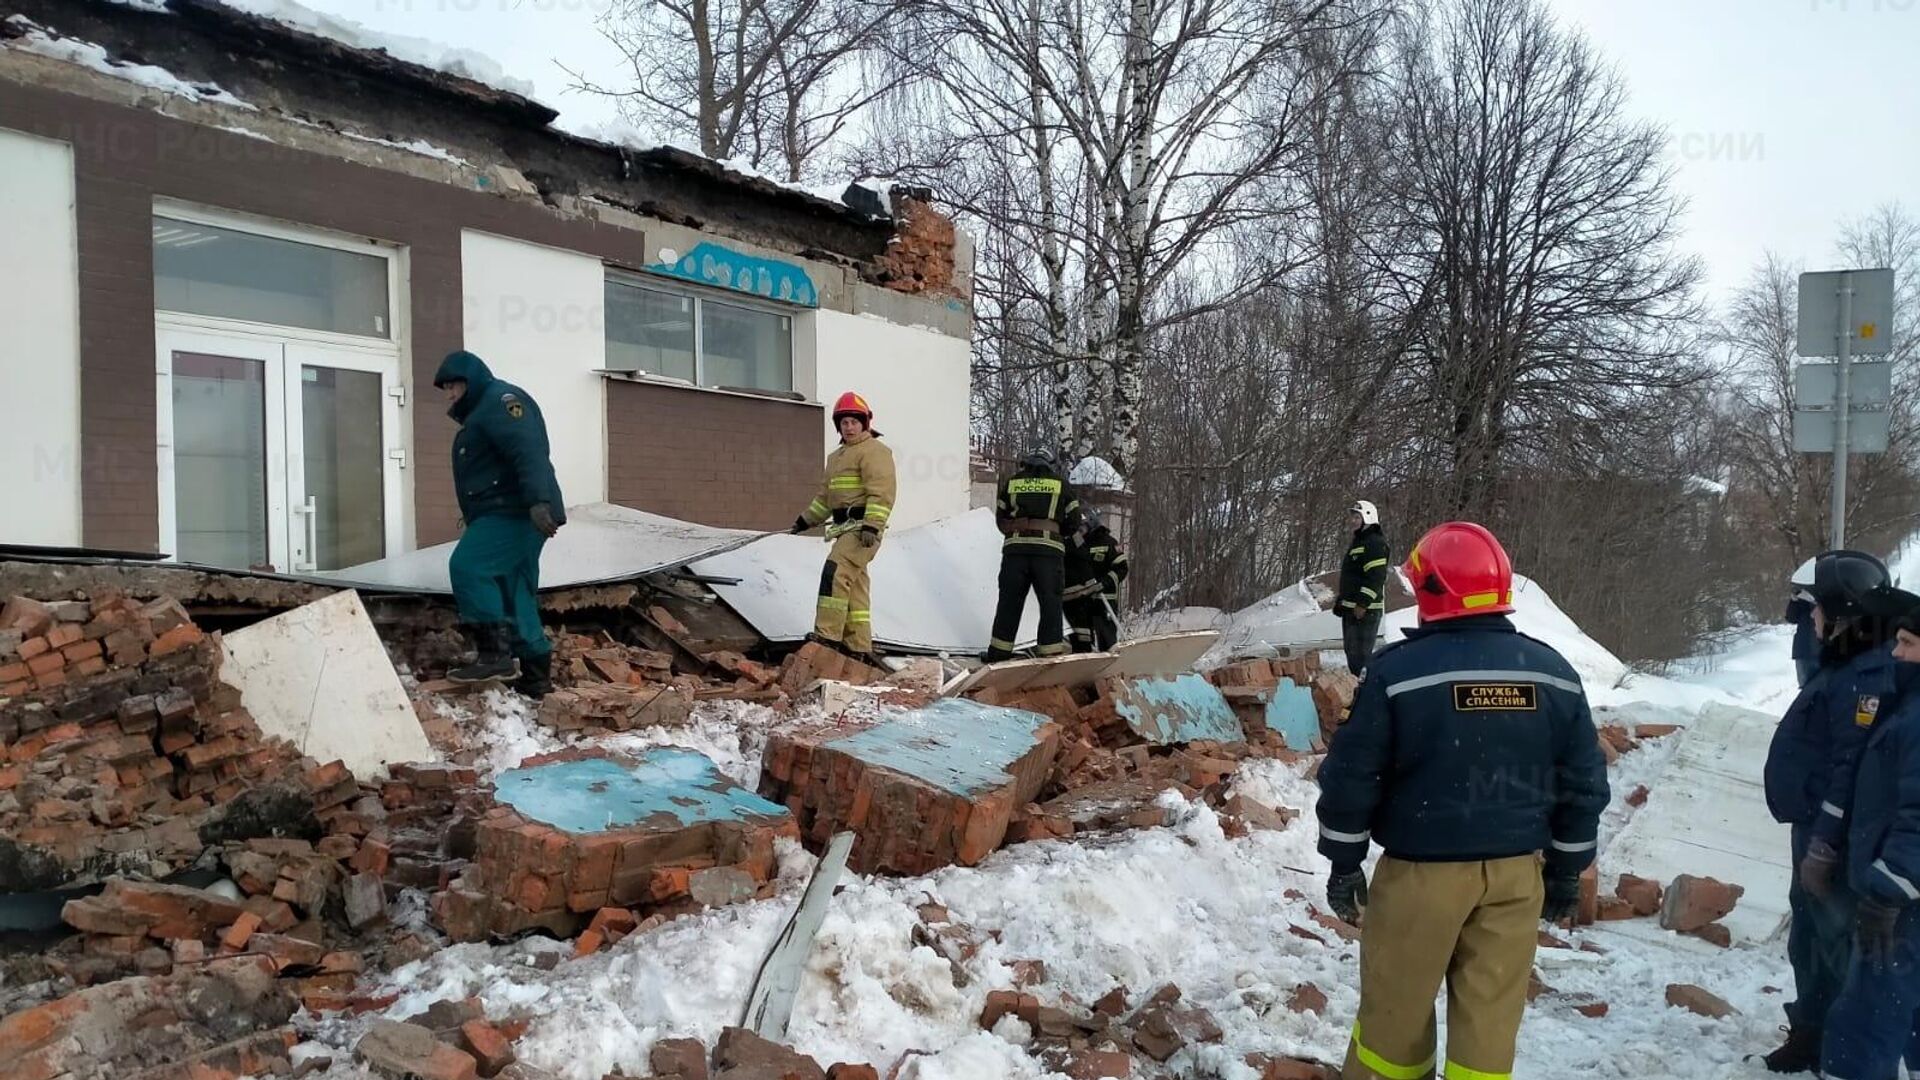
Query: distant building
{"x": 234, "y": 262}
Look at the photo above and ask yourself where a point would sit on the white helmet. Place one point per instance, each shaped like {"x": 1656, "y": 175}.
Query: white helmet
{"x": 1803, "y": 577}
{"x": 1369, "y": 513}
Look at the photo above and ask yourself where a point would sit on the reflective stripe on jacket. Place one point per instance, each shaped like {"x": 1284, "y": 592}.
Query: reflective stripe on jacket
{"x": 857, "y": 488}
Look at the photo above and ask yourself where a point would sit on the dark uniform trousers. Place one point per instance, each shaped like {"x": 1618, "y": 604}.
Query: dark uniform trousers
{"x": 1092, "y": 622}
{"x": 1044, "y": 570}
{"x": 1359, "y": 636}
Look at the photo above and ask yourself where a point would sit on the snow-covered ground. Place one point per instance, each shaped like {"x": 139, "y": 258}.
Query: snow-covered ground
{"x": 1182, "y": 903}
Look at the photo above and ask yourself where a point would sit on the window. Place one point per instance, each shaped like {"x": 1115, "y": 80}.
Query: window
{"x": 701, "y": 341}
{"x": 208, "y": 270}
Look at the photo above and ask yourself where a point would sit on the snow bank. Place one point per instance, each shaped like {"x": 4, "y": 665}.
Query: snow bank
{"x": 37, "y": 40}
{"x": 1537, "y": 616}
{"x": 464, "y": 63}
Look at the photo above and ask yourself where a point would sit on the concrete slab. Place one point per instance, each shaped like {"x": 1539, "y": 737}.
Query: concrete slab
{"x": 1186, "y": 708}
{"x": 1162, "y": 654}
{"x": 319, "y": 677}
{"x": 1037, "y": 673}
{"x": 1707, "y": 815}
{"x": 661, "y": 787}
{"x": 934, "y": 786}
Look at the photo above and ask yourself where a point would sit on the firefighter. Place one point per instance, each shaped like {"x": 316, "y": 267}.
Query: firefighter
{"x": 1872, "y": 1022}
{"x": 1468, "y": 752}
{"x": 511, "y": 506}
{"x": 1095, "y": 568}
{"x": 855, "y": 499}
{"x": 1362, "y": 598}
{"x": 1809, "y": 784}
{"x": 1035, "y": 509}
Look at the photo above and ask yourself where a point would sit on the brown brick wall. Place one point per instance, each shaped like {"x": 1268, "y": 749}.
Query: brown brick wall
{"x": 718, "y": 459}
{"x": 124, "y": 158}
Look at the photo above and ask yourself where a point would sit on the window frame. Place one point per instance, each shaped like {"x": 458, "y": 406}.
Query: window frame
{"x": 397, "y": 331}
{"x": 700, "y": 296}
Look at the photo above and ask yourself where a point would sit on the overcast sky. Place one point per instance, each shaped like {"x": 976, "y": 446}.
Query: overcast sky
{"x": 1786, "y": 115}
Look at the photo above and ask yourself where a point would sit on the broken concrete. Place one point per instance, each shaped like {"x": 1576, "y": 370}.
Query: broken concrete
{"x": 575, "y": 833}
{"x": 930, "y": 788}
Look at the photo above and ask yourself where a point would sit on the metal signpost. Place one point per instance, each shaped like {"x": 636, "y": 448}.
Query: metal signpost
{"x": 1843, "y": 313}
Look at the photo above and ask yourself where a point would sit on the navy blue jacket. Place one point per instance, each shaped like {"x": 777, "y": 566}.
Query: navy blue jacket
{"x": 1469, "y": 740}
{"x": 501, "y": 461}
{"x": 1816, "y": 749}
{"x": 1883, "y": 837}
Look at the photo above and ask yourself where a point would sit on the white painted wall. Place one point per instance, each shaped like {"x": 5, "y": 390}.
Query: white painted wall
{"x": 534, "y": 314}
{"x": 917, "y": 381}
{"x": 40, "y": 348}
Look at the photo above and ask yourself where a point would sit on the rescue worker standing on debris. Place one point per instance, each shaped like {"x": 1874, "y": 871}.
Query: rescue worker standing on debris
{"x": 1810, "y": 772}
{"x": 1362, "y": 598}
{"x": 1035, "y": 509}
{"x": 1872, "y": 1022}
{"x": 1095, "y": 568}
{"x": 855, "y": 500}
{"x": 511, "y": 506}
{"x": 1469, "y": 750}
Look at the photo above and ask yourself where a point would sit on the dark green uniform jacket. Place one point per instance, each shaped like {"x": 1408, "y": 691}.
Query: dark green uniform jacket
{"x": 501, "y": 461}
{"x": 1363, "y": 575}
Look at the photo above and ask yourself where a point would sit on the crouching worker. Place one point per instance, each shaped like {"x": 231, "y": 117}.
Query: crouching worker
{"x": 511, "y": 505}
{"x": 1468, "y": 753}
{"x": 1872, "y": 1022}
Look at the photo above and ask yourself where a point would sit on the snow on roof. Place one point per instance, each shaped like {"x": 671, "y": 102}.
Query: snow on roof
{"x": 1097, "y": 472}
{"x": 38, "y": 40}
{"x": 1705, "y": 486}
{"x": 625, "y": 133}
{"x": 464, "y": 63}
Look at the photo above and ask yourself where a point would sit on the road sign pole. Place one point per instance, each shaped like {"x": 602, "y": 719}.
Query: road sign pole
{"x": 1842, "y": 408}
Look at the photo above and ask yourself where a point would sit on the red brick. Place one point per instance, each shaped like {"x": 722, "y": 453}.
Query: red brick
{"x": 63, "y": 635}
{"x": 92, "y": 665}
{"x": 238, "y": 934}
{"x": 81, "y": 650}
{"x": 11, "y": 673}
{"x": 46, "y": 662}
{"x": 184, "y": 636}
{"x": 33, "y": 647}
{"x": 490, "y": 1049}
{"x": 15, "y": 689}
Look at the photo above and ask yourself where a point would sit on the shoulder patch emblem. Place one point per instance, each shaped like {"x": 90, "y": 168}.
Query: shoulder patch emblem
{"x": 516, "y": 410}
{"x": 1866, "y": 710}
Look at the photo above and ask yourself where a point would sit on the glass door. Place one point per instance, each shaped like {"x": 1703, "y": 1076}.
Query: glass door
{"x": 277, "y": 455}
{"x": 220, "y": 437}
{"x": 342, "y": 456}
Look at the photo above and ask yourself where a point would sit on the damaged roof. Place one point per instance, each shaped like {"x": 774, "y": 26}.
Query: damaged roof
{"x": 268, "y": 64}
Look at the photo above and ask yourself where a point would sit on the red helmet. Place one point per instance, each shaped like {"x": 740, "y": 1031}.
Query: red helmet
{"x": 1460, "y": 569}
{"x": 852, "y": 404}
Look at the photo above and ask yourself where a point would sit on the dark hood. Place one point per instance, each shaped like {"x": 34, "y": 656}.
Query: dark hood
{"x": 461, "y": 364}
{"x": 1366, "y": 529}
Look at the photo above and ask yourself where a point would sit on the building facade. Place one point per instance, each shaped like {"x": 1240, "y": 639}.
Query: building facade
{"x": 233, "y": 266}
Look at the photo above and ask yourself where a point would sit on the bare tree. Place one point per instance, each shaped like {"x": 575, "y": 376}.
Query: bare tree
{"x": 772, "y": 82}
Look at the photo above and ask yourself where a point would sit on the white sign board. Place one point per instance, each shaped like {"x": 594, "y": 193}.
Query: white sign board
{"x": 1869, "y": 385}
{"x": 1866, "y": 431}
{"x": 1872, "y": 312}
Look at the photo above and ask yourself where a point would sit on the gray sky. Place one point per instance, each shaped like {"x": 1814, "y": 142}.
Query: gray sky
{"x": 1787, "y": 115}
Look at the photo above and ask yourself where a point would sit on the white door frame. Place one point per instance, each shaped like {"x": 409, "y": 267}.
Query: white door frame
{"x": 283, "y": 355}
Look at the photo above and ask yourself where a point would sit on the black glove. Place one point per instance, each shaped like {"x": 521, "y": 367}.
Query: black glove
{"x": 542, "y": 516}
{"x": 1873, "y": 930}
{"x": 1347, "y": 894}
{"x": 799, "y": 525}
{"x": 1816, "y": 868}
{"x": 1563, "y": 898}
{"x": 869, "y": 536}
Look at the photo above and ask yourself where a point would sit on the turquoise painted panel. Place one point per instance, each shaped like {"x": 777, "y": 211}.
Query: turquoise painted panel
{"x": 961, "y": 746}
{"x": 667, "y": 788}
{"x": 1182, "y": 709}
{"x": 1291, "y": 713}
{"x": 723, "y": 268}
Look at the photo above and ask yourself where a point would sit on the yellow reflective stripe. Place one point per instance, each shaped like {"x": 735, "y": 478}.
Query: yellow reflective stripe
{"x": 1370, "y": 593}
{"x": 1414, "y": 561}
{"x": 1358, "y": 551}
{"x": 1374, "y": 563}
{"x": 1387, "y": 1068}
{"x": 844, "y": 483}
{"x": 832, "y": 603}
{"x": 1479, "y": 600}
{"x": 879, "y": 511}
{"x": 1003, "y": 646}
{"x": 816, "y": 509}
{"x": 1457, "y": 1071}
{"x": 859, "y": 615}
{"x": 1051, "y": 650}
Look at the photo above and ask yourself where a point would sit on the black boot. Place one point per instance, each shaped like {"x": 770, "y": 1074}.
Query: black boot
{"x": 536, "y": 678}
{"x": 1800, "y": 1053}
{"x": 493, "y": 659}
